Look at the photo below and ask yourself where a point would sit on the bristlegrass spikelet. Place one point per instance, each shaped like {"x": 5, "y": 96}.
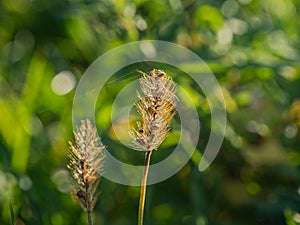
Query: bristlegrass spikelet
{"x": 86, "y": 161}
{"x": 156, "y": 106}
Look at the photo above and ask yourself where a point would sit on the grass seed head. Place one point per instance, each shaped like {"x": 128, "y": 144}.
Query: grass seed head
{"x": 156, "y": 106}
{"x": 86, "y": 162}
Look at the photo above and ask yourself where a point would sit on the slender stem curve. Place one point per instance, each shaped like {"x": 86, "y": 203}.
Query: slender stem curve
{"x": 143, "y": 188}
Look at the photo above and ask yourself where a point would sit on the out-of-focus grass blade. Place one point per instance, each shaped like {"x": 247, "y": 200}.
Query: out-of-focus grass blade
{"x": 11, "y": 214}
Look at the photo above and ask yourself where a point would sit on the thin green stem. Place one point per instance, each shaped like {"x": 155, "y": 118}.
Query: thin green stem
{"x": 143, "y": 188}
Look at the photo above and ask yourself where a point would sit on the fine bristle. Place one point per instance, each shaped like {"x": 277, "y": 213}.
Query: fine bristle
{"x": 156, "y": 106}
{"x": 86, "y": 161}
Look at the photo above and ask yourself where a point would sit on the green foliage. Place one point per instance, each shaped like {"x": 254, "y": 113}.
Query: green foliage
{"x": 252, "y": 46}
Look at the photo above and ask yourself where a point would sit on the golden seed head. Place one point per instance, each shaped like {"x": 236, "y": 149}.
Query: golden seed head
{"x": 156, "y": 106}
{"x": 86, "y": 161}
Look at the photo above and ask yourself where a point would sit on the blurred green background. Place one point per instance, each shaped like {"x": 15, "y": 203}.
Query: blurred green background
{"x": 253, "y": 48}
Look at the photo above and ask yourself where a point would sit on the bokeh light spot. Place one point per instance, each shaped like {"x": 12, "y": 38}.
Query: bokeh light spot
{"x": 148, "y": 49}
{"x": 253, "y": 188}
{"x": 141, "y": 24}
{"x": 25, "y": 183}
{"x": 63, "y": 83}
{"x": 290, "y": 131}
{"x": 229, "y": 8}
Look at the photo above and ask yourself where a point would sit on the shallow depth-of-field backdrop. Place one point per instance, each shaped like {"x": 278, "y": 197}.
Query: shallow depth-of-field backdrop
{"x": 253, "y": 48}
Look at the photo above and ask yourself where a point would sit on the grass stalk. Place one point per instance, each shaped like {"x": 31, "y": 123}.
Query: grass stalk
{"x": 11, "y": 213}
{"x": 90, "y": 219}
{"x": 144, "y": 188}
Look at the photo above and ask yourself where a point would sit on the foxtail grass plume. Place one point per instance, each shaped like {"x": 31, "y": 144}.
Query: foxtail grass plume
{"x": 86, "y": 162}
{"x": 156, "y": 106}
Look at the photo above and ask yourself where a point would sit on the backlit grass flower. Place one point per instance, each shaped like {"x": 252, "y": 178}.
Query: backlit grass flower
{"x": 156, "y": 106}
{"x": 86, "y": 161}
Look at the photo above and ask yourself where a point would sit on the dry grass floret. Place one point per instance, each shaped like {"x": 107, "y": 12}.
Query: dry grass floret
{"x": 156, "y": 106}
{"x": 86, "y": 161}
